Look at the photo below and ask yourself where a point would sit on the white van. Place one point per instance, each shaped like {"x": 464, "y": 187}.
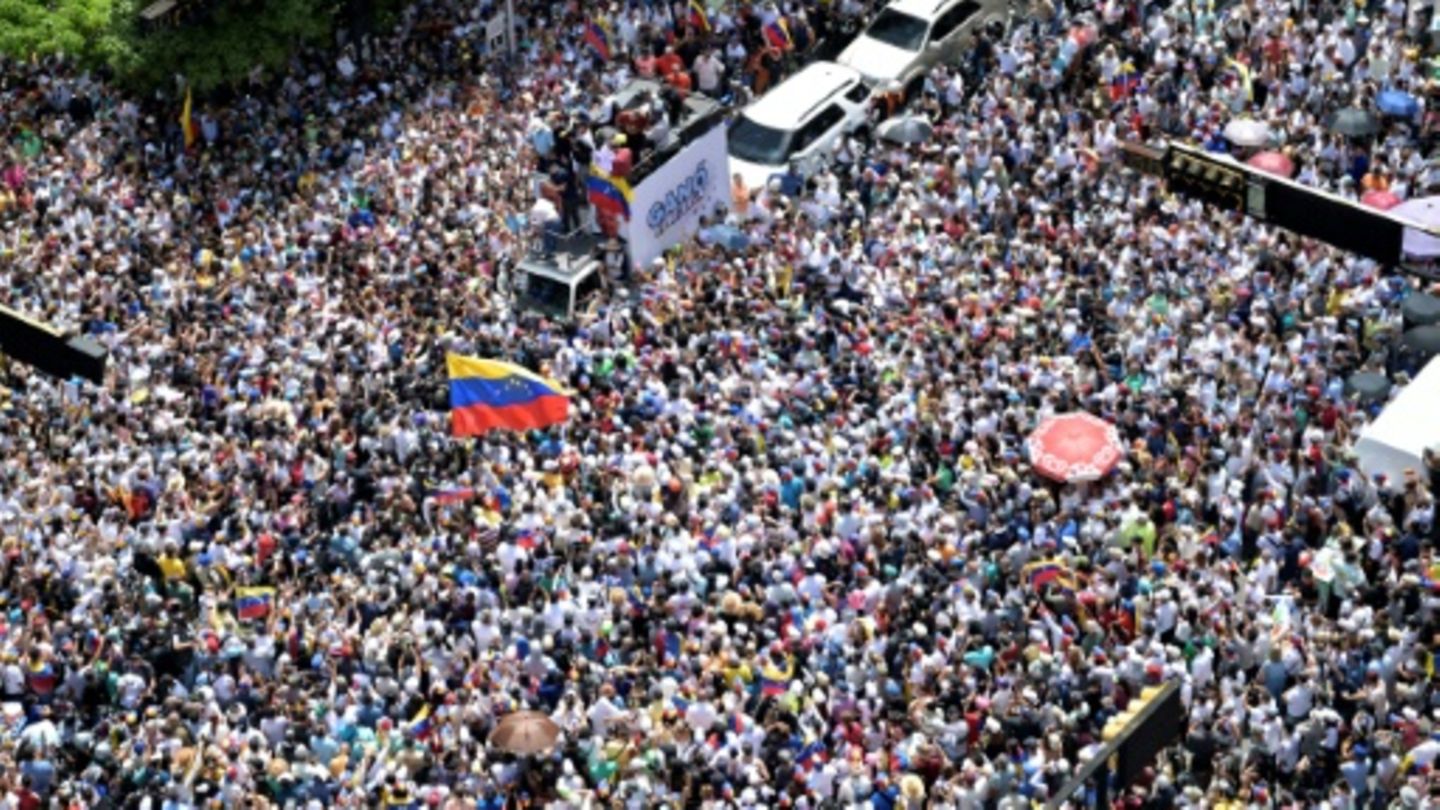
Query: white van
{"x": 908, "y": 37}
{"x": 558, "y": 286}
{"x": 798, "y": 123}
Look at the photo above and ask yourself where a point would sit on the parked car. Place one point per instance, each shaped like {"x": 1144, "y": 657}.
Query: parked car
{"x": 798, "y": 124}
{"x": 909, "y": 37}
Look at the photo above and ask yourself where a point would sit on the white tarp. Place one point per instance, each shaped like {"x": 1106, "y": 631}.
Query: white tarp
{"x": 665, "y": 208}
{"x": 1408, "y": 425}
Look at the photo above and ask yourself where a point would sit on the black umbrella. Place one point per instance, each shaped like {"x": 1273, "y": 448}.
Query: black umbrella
{"x": 1424, "y": 339}
{"x": 1369, "y": 386}
{"x": 1421, "y": 309}
{"x": 1354, "y": 122}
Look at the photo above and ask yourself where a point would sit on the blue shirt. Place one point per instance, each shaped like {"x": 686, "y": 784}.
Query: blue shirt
{"x": 884, "y": 799}
{"x": 41, "y": 773}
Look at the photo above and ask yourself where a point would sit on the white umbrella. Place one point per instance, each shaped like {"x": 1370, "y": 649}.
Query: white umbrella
{"x": 1415, "y": 243}
{"x": 1247, "y": 132}
{"x": 906, "y": 129}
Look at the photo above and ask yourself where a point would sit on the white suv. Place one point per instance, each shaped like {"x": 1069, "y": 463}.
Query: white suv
{"x": 798, "y": 124}
{"x": 908, "y": 37}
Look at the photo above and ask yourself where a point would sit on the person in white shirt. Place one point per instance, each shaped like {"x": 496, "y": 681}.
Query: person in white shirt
{"x": 709, "y": 71}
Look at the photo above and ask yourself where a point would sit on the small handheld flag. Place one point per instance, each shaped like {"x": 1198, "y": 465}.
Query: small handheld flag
{"x": 254, "y": 603}
{"x": 1126, "y": 81}
{"x": 774, "y": 681}
{"x": 777, "y": 33}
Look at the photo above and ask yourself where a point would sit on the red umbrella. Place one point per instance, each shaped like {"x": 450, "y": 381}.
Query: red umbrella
{"x": 1074, "y": 447}
{"x": 1376, "y": 198}
{"x": 1274, "y": 163}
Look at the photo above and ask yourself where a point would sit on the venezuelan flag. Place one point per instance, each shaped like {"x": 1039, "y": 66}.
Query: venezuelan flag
{"x": 698, "y": 16}
{"x": 187, "y": 121}
{"x": 421, "y": 725}
{"x": 608, "y": 193}
{"x": 778, "y": 34}
{"x": 253, "y": 603}
{"x": 811, "y": 755}
{"x": 597, "y": 36}
{"x": 774, "y": 681}
{"x": 1126, "y": 81}
{"x": 42, "y": 677}
{"x": 1042, "y": 573}
{"x": 489, "y": 394}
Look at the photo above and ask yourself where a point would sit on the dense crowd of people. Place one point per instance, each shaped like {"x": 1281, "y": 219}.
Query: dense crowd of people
{"x": 774, "y": 557}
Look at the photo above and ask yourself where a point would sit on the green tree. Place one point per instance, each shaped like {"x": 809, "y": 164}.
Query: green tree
{"x": 82, "y": 29}
{"x": 221, "y": 41}
{"x": 228, "y": 42}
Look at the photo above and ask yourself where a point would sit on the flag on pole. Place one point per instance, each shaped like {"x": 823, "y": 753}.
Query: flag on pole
{"x": 187, "y": 120}
{"x": 698, "y": 16}
{"x": 420, "y": 725}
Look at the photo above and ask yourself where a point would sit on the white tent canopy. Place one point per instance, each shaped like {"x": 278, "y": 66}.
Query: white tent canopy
{"x": 1410, "y": 423}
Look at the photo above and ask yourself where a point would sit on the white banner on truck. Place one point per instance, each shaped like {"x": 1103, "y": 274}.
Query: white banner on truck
{"x": 665, "y": 208}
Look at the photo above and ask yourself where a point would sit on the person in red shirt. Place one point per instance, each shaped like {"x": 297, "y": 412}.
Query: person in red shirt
{"x": 624, "y": 159}
{"x": 669, "y": 62}
{"x": 25, "y": 798}
{"x": 680, "y": 80}
{"x": 645, "y": 66}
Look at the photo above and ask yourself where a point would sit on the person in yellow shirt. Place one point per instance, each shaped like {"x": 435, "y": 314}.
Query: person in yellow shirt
{"x": 734, "y": 671}
{"x": 172, "y": 566}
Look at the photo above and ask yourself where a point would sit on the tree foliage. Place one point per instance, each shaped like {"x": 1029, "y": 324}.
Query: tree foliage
{"x": 93, "y": 31}
{"x": 221, "y": 41}
{"x": 229, "y": 42}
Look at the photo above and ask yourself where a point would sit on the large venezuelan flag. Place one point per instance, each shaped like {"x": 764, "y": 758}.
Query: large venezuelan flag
{"x": 597, "y": 36}
{"x": 489, "y": 394}
{"x": 608, "y": 193}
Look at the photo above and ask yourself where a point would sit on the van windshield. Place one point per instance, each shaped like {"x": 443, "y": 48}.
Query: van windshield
{"x": 547, "y": 295}
{"x": 758, "y": 143}
{"x": 898, "y": 29}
